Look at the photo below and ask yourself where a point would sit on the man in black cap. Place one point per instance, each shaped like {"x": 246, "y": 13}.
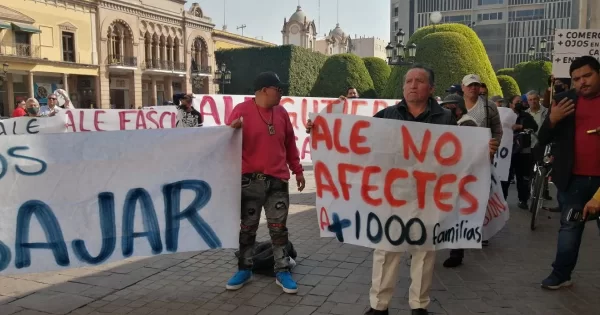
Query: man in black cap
{"x": 456, "y": 104}
{"x": 455, "y": 89}
{"x": 187, "y": 115}
{"x": 268, "y": 147}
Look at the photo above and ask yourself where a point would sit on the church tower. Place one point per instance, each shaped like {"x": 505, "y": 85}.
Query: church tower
{"x": 299, "y": 30}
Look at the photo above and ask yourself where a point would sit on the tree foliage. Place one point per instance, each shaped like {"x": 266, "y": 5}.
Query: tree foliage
{"x": 340, "y": 72}
{"x": 379, "y": 72}
{"x": 298, "y": 66}
{"x": 475, "y": 51}
{"x": 533, "y": 75}
{"x": 509, "y": 86}
{"x": 506, "y": 71}
{"x": 393, "y": 87}
{"x": 450, "y": 64}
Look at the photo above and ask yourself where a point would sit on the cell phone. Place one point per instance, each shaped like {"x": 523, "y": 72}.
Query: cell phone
{"x": 577, "y": 215}
{"x": 570, "y": 94}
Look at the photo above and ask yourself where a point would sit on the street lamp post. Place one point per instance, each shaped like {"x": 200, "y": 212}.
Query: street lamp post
{"x": 222, "y": 77}
{"x": 396, "y": 55}
{"x": 532, "y": 51}
{"x": 435, "y": 18}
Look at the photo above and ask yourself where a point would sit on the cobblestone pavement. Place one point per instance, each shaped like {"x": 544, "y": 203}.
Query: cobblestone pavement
{"x": 333, "y": 278}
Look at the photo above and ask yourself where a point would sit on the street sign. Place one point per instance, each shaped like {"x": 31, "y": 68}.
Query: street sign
{"x": 570, "y": 44}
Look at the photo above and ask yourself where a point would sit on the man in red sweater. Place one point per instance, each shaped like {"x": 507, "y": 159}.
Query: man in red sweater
{"x": 268, "y": 148}
{"x": 574, "y": 126}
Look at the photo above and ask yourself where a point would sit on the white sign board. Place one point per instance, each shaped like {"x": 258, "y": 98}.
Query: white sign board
{"x": 504, "y": 154}
{"x": 570, "y": 44}
{"x": 399, "y": 186}
{"x": 83, "y": 199}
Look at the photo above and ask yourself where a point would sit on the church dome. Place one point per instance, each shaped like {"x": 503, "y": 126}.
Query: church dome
{"x": 337, "y": 32}
{"x": 298, "y": 16}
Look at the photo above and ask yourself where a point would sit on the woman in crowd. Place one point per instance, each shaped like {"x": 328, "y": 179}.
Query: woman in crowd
{"x": 32, "y": 107}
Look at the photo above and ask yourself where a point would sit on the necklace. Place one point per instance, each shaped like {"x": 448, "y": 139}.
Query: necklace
{"x": 270, "y": 126}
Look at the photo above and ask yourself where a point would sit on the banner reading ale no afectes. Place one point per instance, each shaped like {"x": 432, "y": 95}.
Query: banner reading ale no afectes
{"x": 399, "y": 186}
{"x": 106, "y": 196}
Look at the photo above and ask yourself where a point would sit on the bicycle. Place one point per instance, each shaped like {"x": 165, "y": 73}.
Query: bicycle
{"x": 542, "y": 170}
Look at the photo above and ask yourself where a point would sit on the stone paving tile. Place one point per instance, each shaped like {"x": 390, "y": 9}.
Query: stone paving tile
{"x": 333, "y": 278}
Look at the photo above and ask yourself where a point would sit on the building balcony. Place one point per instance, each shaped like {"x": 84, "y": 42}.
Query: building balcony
{"x": 118, "y": 61}
{"x": 21, "y": 51}
{"x": 202, "y": 70}
{"x": 163, "y": 66}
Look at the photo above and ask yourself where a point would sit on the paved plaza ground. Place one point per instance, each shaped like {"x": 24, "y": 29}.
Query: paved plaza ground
{"x": 333, "y": 278}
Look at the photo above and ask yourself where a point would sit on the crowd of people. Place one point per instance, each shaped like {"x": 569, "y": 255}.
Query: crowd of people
{"x": 568, "y": 116}
{"x": 269, "y": 153}
{"x": 32, "y": 108}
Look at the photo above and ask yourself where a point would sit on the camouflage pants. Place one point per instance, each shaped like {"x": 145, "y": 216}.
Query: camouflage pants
{"x": 260, "y": 191}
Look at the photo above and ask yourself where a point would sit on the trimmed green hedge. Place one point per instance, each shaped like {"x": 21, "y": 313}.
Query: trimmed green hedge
{"x": 340, "y": 72}
{"x": 449, "y": 64}
{"x": 393, "y": 88}
{"x": 298, "y": 66}
{"x": 533, "y": 75}
{"x": 509, "y": 86}
{"x": 506, "y": 71}
{"x": 379, "y": 72}
{"x": 474, "y": 51}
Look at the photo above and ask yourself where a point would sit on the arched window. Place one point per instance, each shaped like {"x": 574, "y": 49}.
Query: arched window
{"x": 199, "y": 54}
{"x": 120, "y": 44}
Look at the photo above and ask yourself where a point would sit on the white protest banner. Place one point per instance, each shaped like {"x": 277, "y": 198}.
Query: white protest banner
{"x": 83, "y": 199}
{"x": 504, "y": 154}
{"x": 31, "y": 125}
{"x": 497, "y": 213}
{"x": 397, "y": 185}
{"x": 81, "y": 120}
{"x": 216, "y": 110}
{"x": 570, "y": 44}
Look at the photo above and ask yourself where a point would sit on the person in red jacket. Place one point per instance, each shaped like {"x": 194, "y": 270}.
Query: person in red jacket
{"x": 268, "y": 148}
{"x": 20, "y": 110}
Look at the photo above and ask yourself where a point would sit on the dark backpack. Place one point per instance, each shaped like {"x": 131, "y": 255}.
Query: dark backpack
{"x": 262, "y": 257}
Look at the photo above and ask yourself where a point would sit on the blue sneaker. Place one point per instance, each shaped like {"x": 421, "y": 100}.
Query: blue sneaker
{"x": 285, "y": 281}
{"x": 239, "y": 279}
{"x": 554, "y": 283}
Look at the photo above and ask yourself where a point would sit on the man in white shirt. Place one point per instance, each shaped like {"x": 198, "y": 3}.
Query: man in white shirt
{"x": 538, "y": 112}
{"x": 52, "y": 108}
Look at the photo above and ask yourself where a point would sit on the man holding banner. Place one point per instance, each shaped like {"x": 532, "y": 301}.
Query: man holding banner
{"x": 486, "y": 115}
{"x": 417, "y": 106}
{"x": 268, "y": 147}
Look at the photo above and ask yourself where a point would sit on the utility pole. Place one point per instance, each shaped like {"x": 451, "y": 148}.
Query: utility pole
{"x": 243, "y": 26}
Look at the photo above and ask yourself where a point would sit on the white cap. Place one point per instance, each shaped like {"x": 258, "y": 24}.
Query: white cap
{"x": 470, "y": 79}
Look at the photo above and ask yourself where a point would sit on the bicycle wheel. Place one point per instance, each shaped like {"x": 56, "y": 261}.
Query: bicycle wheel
{"x": 537, "y": 199}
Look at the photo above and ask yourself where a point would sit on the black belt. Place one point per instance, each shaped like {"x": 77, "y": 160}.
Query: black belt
{"x": 257, "y": 176}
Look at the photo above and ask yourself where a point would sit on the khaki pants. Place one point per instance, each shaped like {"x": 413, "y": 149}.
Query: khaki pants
{"x": 385, "y": 275}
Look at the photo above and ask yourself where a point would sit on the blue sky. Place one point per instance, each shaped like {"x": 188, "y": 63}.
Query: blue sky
{"x": 265, "y": 17}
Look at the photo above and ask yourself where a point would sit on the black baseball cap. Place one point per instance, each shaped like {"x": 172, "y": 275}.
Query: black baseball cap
{"x": 268, "y": 79}
{"x": 454, "y": 88}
